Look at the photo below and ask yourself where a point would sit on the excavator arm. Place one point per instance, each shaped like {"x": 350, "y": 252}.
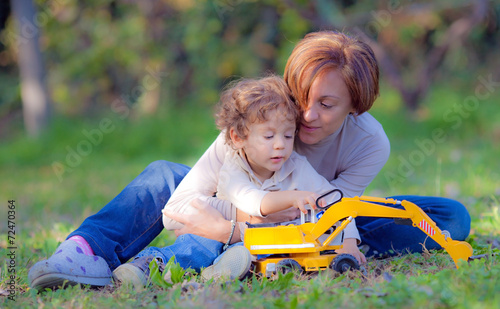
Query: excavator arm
{"x": 348, "y": 208}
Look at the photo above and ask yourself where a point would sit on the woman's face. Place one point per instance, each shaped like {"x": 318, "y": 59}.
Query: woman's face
{"x": 328, "y": 104}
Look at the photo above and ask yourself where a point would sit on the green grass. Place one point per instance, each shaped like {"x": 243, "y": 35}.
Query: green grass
{"x": 463, "y": 165}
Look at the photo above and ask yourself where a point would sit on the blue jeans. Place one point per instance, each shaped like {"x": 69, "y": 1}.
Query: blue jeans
{"x": 128, "y": 223}
{"x": 385, "y": 238}
{"x": 189, "y": 251}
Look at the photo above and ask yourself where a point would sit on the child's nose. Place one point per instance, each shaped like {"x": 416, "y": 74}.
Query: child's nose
{"x": 279, "y": 143}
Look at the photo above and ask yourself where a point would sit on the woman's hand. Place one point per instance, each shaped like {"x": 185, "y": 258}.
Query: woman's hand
{"x": 206, "y": 222}
{"x": 350, "y": 246}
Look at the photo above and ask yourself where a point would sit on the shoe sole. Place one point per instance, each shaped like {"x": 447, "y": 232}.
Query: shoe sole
{"x": 57, "y": 280}
{"x": 234, "y": 264}
{"x": 129, "y": 274}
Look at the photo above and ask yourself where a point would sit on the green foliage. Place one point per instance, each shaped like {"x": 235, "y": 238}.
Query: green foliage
{"x": 176, "y": 274}
{"x": 101, "y": 53}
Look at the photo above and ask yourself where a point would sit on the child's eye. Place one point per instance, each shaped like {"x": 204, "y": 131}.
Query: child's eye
{"x": 268, "y": 137}
{"x": 288, "y": 136}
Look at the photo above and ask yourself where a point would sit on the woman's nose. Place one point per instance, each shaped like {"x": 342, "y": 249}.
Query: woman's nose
{"x": 310, "y": 114}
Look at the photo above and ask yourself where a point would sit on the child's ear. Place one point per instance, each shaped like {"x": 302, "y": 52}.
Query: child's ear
{"x": 238, "y": 142}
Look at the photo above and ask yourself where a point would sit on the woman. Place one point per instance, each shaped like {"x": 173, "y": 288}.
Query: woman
{"x": 334, "y": 79}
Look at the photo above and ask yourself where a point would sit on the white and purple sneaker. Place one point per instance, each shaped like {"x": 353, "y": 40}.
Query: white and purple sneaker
{"x": 69, "y": 266}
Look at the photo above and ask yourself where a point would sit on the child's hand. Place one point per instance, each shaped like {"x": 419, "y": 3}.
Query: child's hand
{"x": 288, "y": 214}
{"x": 302, "y": 198}
{"x": 276, "y": 201}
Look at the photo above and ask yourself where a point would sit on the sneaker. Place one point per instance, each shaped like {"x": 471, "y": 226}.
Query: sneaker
{"x": 69, "y": 266}
{"x": 234, "y": 264}
{"x": 136, "y": 272}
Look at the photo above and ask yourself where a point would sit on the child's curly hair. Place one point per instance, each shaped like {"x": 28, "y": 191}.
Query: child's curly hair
{"x": 247, "y": 101}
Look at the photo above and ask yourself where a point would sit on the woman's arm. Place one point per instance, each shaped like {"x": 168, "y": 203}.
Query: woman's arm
{"x": 199, "y": 183}
{"x": 206, "y": 221}
{"x": 209, "y": 222}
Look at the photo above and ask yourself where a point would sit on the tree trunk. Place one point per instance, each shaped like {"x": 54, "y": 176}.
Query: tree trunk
{"x": 34, "y": 93}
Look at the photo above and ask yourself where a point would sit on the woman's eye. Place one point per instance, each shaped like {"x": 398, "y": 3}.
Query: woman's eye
{"x": 324, "y": 105}
{"x": 268, "y": 137}
{"x": 288, "y": 136}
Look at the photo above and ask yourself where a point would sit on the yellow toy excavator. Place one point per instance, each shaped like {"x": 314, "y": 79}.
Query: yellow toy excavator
{"x": 310, "y": 245}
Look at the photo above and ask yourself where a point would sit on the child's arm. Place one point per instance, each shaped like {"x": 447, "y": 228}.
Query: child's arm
{"x": 280, "y": 200}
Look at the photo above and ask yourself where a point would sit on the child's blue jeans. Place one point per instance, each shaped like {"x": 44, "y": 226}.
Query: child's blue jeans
{"x": 128, "y": 223}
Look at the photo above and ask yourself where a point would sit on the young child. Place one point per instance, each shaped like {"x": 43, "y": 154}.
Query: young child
{"x": 261, "y": 173}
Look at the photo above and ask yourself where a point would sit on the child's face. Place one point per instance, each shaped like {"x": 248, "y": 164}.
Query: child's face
{"x": 268, "y": 144}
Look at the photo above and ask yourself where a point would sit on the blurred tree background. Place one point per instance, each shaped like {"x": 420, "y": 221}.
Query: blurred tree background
{"x": 134, "y": 58}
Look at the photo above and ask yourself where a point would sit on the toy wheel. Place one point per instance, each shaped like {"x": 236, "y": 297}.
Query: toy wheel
{"x": 344, "y": 262}
{"x": 288, "y": 265}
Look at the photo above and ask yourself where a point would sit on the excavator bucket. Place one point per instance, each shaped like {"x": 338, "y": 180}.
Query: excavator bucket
{"x": 459, "y": 250}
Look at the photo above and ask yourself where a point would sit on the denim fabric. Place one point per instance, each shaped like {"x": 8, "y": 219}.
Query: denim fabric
{"x": 128, "y": 223}
{"x": 189, "y": 251}
{"x": 385, "y": 238}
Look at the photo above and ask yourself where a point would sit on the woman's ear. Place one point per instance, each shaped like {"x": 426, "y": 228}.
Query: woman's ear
{"x": 238, "y": 142}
